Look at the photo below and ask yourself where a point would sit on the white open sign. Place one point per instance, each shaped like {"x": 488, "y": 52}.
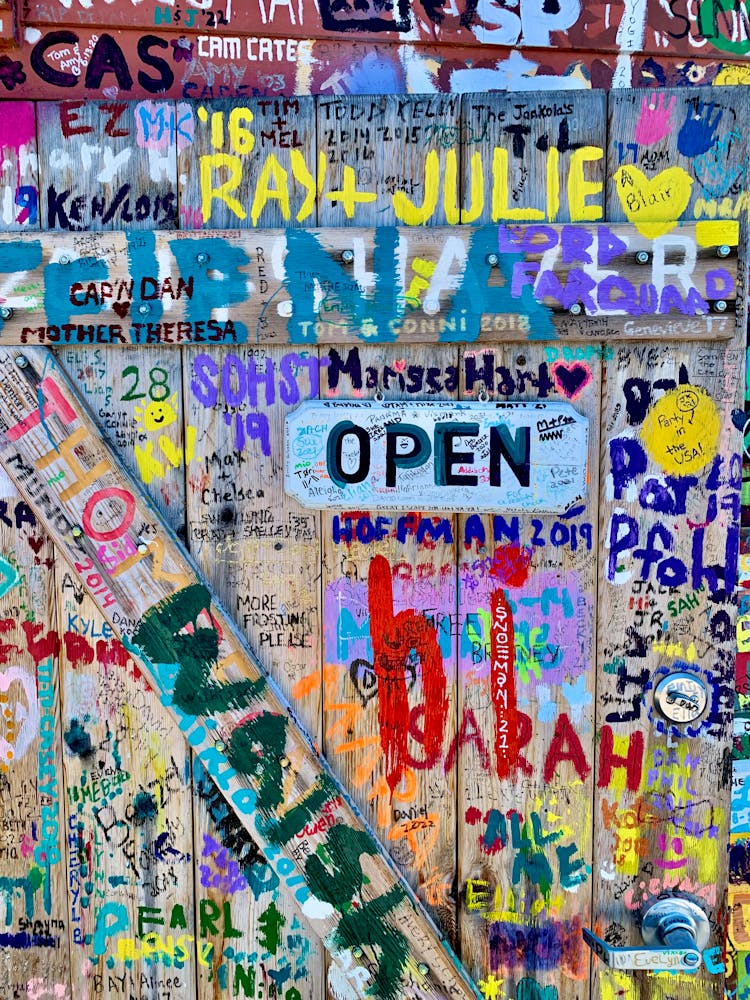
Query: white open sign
{"x": 435, "y": 455}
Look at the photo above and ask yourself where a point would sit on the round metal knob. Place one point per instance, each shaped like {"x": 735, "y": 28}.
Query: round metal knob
{"x": 675, "y": 922}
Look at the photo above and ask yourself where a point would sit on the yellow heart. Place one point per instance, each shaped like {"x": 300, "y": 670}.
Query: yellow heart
{"x": 653, "y": 205}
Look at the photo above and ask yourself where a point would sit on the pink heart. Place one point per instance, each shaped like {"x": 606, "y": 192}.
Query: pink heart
{"x": 399, "y": 365}
{"x": 571, "y": 380}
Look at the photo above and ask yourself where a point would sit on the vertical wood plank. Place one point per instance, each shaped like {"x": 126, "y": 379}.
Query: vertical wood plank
{"x": 260, "y": 550}
{"x": 390, "y": 590}
{"x": 527, "y": 607}
{"x": 533, "y": 157}
{"x": 19, "y": 168}
{"x": 107, "y": 165}
{"x": 408, "y": 564}
{"x": 34, "y": 866}
{"x": 388, "y": 160}
{"x": 127, "y": 772}
{"x": 671, "y": 479}
{"x": 541, "y": 158}
{"x": 675, "y": 154}
{"x": 247, "y": 163}
{"x": 36, "y": 925}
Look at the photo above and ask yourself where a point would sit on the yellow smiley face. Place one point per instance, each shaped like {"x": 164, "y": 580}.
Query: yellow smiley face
{"x": 158, "y": 414}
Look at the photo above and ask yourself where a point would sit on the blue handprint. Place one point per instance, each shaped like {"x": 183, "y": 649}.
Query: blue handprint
{"x": 698, "y": 132}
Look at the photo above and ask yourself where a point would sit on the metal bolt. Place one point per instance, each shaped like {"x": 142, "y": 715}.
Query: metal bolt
{"x": 492, "y": 259}
{"x": 423, "y": 968}
{"x": 642, "y": 257}
{"x": 63, "y": 259}
{"x": 220, "y": 745}
{"x": 723, "y": 250}
{"x": 576, "y": 309}
{"x": 357, "y": 952}
{"x": 76, "y": 531}
{"x": 203, "y": 257}
{"x": 6, "y": 312}
{"x": 144, "y": 308}
{"x": 284, "y": 762}
{"x": 691, "y": 958}
{"x": 347, "y": 256}
{"x": 142, "y": 547}
{"x": 720, "y": 306}
{"x": 22, "y": 362}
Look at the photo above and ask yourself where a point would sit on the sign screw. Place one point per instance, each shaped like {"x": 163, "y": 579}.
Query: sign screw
{"x": 21, "y": 361}
{"x": 347, "y": 256}
{"x": 723, "y": 250}
{"x": 423, "y": 968}
{"x": 492, "y": 259}
{"x": 63, "y": 259}
{"x": 720, "y": 306}
{"x": 6, "y": 312}
{"x": 144, "y": 308}
{"x": 576, "y": 309}
{"x": 76, "y": 531}
{"x": 642, "y": 257}
{"x": 357, "y": 952}
{"x": 203, "y": 257}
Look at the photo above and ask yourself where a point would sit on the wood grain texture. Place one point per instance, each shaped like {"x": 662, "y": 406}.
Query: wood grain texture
{"x": 247, "y": 163}
{"x": 384, "y": 160}
{"x": 389, "y": 603}
{"x": 342, "y": 285}
{"x": 146, "y": 602}
{"x": 532, "y": 157}
{"x": 527, "y": 599}
{"x": 674, "y": 155}
{"x": 34, "y": 871}
{"x": 106, "y": 165}
{"x": 661, "y": 809}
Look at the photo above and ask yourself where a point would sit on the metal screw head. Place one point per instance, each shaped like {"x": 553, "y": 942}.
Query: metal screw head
{"x": 691, "y": 958}
{"x": 423, "y": 968}
{"x": 347, "y": 256}
{"x": 284, "y": 762}
{"x": 220, "y": 745}
{"x": 723, "y": 250}
{"x": 202, "y": 257}
{"x": 6, "y": 312}
{"x": 720, "y": 306}
{"x": 576, "y": 309}
{"x": 63, "y": 259}
{"x": 144, "y": 308}
{"x": 492, "y": 259}
{"x": 142, "y": 547}
{"x": 357, "y": 952}
{"x": 76, "y": 531}
{"x": 21, "y": 361}
{"x": 642, "y": 257}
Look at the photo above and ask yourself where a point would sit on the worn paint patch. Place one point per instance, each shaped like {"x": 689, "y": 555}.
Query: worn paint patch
{"x": 77, "y": 739}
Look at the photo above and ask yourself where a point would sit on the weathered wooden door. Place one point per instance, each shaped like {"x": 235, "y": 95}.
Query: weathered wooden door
{"x": 530, "y": 706}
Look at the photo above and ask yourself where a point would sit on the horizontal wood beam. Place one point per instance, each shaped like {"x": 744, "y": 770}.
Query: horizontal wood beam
{"x": 589, "y": 281}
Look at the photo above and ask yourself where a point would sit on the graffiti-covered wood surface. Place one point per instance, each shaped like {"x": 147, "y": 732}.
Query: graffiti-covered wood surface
{"x": 482, "y": 683}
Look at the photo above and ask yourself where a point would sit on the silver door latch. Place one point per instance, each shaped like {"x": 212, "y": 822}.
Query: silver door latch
{"x": 675, "y": 931}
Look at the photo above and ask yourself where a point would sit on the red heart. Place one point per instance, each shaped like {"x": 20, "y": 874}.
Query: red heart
{"x": 121, "y": 308}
